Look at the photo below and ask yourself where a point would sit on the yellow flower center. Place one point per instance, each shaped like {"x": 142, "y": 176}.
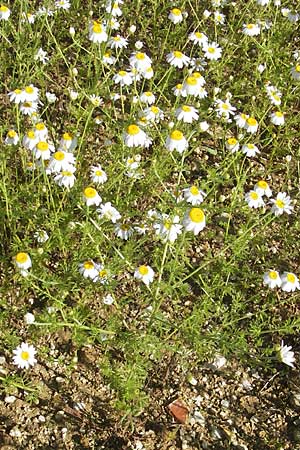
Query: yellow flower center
{"x": 276, "y": 97}
{"x": 254, "y": 195}
{"x": 278, "y": 114}
{"x": 211, "y": 50}
{"x": 29, "y": 90}
{"x": 191, "y": 81}
{"x": 21, "y": 257}
{"x": 291, "y": 278}
{"x": 196, "y": 215}
{"x": 67, "y": 137}
{"x": 90, "y": 192}
{"x": 186, "y": 108}
{"x": 232, "y": 141}
{"x": 167, "y": 224}
{"x": 176, "y": 12}
{"x": 133, "y": 130}
{"x": 177, "y": 54}
{"x": 194, "y": 190}
{"x": 273, "y": 275}
{"x": 116, "y": 38}
{"x": 124, "y": 227}
{"x": 17, "y": 91}
{"x": 251, "y": 121}
{"x": 42, "y": 146}
{"x": 25, "y": 355}
{"x": 122, "y": 73}
{"x": 250, "y": 26}
{"x": 40, "y": 126}
{"x": 250, "y": 146}
{"x": 148, "y": 94}
{"x": 3, "y": 8}
{"x": 59, "y": 156}
{"x": 143, "y": 270}
{"x": 176, "y": 135}
{"x": 140, "y": 56}
{"x": 103, "y": 273}
{"x": 225, "y": 106}
{"x": 11, "y": 133}
{"x": 198, "y": 35}
{"x": 67, "y": 173}
{"x": 98, "y": 173}
{"x": 262, "y": 184}
{"x": 97, "y": 28}
{"x": 297, "y": 68}
{"x": 31, "y": 135}
{"x": 280, "y": 204}
{"x": 178, "y": 86}
{"x": 154, "y": 109}
{"x": 88, "y": 265}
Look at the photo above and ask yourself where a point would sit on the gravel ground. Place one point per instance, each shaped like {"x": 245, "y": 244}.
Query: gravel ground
{"x": 221, "y": 405}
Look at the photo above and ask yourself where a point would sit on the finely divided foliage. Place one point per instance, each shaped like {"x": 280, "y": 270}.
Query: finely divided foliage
{"x": 149, "y": 182}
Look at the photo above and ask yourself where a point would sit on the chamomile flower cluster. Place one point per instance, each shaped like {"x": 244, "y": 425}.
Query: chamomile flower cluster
{"x": 287, "y": 281}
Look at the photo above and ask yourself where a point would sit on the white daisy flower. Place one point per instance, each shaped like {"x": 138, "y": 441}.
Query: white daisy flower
{"x": 102, "y": 275}
{"x": 147, "y": 97}
{"x": 123, "y": 231}
{"x": 135, "y": 137}
{"x": 194, "y": 195}
{"x": 29, "y": 108}
{"x": 30, "y": 140}
{"x": 241, "y": 119}
{"x": 178, "y": 59}
{"x": 31, "y": 93}
{"x": 98, "y": 175}
{"x": 41, "y": 131}
{"x": 212, "y": 51}
{"x": 4, "y": 12}
{"x": 108, "y": 212}
{"x": 290, "y": 282}
{"x": 263, "y": 188}
{"x": 91, "y": 197}
{"x": 176, "y": 141}
{"x": 194, "y": 220}
{"x": 193, "y": 85}
{"x": 60, "y": 160}
{"x": 198, "y": 38}
{"x": 123, "y": 78}
{"x": 145, "y": 274}
{"x": 295, "y": 72}
{"x": 17, "y": 96}
{"x": 281, "y": 204}
{"x": 24, "y": 356}
{"x": 108, "y": 58}
{"x": 175, "y": 15}
{"x": 277, "y": 118}
{"x": 251, "y": 29}
{"x": 186, "y": 113}
{"x": 63, "y": 4}
{"x": 97, "y": 33}
{"x": 43, "y": 150}
{"x": 254, "y": 199}
{"x": 23, "y": 262}
{"x": 272, "y": 279}
{"x": 250, "y": 150}
{"x": 117, "y": 42}
{"x": 251, "y": 125}
{"x": 68, "y": 142}
{"x": 88, "y": 269}
{"x": 140, "y": 61}
{"x": 168, "y": 228}
{"x": 12, "y": 138}
{"x": 66, "y": 178}
{"x": 232, "y": 144}
{"x": 286, "y": 355}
